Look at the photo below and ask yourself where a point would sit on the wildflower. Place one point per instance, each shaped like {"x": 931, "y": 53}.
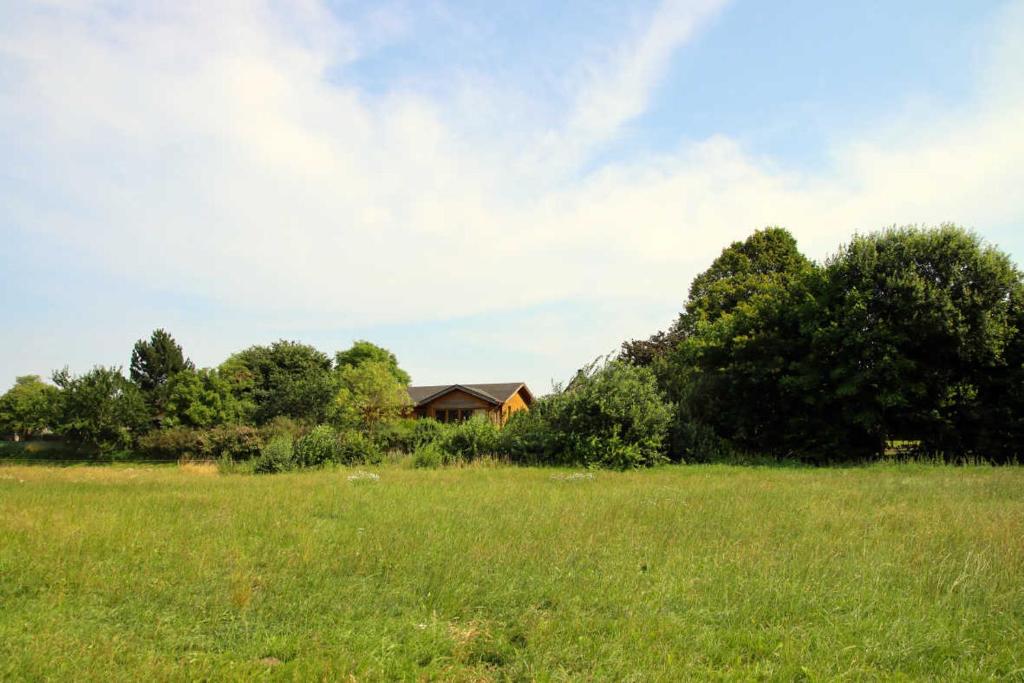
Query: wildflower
{"x": 575, "y": 476}
{"x": 363, "y": 476}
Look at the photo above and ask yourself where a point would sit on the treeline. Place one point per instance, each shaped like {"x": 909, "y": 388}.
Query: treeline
{"x": 904, "y": 341}
{"x": 288, "y": 405}
{"x": 169, "y": 408}
{"x": 908, "y": 340}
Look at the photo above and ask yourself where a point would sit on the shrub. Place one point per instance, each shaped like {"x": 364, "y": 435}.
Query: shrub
{"x": 318, "y": 447}
{"x": 527, "y": 437}
{"x": 408, "y": 434}
{"x": 238, "y": 442}
{"x": 471, "y": 439}
{"x": 429, "y": 456}
{"x": 355, "y": 448}
{"x": 174, "y": 443}
{"x": 276, "y": 456}
{"x": 609, "y": 416}
{"x": 282, "y": 425}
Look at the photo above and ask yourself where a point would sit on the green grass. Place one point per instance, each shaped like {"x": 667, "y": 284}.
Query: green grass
{"x": 700, "y": 572}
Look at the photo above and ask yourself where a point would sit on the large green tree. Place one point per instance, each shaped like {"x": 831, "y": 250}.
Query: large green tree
{"x": 154, "y": 362}
{"x": 769, "y": 258}
{"x": 363, "y": 351}
{"x": 913, "y": 326}
{"x": 721, "y": 362}
{"x": 368, "y": 395}
{"x": 286, "y": 378}
{"x": 905, "y": 335}
{"x": 202, "y": 398}
{"x": 28, "y": 408}
{"x": 100, "y": 410}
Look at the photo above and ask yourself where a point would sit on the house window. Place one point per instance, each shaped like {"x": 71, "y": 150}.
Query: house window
{"x": 452, "y": 414}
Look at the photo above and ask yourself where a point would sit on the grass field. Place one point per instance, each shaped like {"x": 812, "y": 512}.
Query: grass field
{"x": 700, "y": 572}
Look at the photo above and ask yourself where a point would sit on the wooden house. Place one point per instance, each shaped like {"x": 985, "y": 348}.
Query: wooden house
{"x": 456, "y": 402}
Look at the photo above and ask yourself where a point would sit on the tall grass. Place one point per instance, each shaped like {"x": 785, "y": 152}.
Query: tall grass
{"x": 490, "y": 572}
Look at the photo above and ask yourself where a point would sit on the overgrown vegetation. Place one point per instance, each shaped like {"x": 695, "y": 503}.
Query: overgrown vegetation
{"x": 908, "y": 336}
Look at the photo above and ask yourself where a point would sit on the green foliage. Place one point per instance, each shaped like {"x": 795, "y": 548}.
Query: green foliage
{"x": 276, "y": 456}
{"x": 285, "y": 378}
{"x": 904, "y": 335}
{"x": 173, "y": 443}
{"x": 368, "y": 396}
{"x": 29, "y": 407}
{"x": 407, "y": 434}
{"x": 356, "y": 448}
{"x": 284, "y": 426}
{"x": 154, "y": 363}
{"x": 100, "y": 410}
{"x": 471, "y": 439}
{"x": 768, "y": 259}
{"x": 528, "y": 437}
{"x": 202, "y": 398}
{"x": 238, "y": 442}
{"x": 912, "y": 325}
{"x": 367, "y": 352}
{"x": 611, "y": 415}
{"x": 157, "y": 360}
{"x": 430, "y": 455}
{"x": 234, "y": 442}
{"x": 319, "y": 447}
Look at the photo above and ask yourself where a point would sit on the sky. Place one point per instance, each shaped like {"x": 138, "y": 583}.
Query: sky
{"x": 494, "y": 191}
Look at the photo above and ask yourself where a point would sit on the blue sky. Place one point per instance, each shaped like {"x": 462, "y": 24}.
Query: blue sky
{"x": 494, "y": 192}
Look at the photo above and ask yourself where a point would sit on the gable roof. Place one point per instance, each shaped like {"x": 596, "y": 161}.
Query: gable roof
{"x": 496, "y": 393}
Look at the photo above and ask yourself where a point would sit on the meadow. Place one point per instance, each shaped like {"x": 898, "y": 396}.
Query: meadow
{"x": 503, "y": 573}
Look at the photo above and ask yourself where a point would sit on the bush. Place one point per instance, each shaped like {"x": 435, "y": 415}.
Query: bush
{"x": 174, "y": 443}
{"x": 355, "y": 448}
{"x": 235, "y": 442}
{"x": 471, "y": 439}
{"x": 527, "y": 437}
{"x": 276, "y": 456}
{"x": 238, "y": 442}
{"x": 429, "y": 456}
{"x": 408, "y": 434}
{"x": 610, "y": 416}
{"x": 282, "y": 425}
{"x": 320, "y": 446}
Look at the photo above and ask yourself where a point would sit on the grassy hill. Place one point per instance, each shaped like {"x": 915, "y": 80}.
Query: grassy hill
{"x": 131, "y": 572}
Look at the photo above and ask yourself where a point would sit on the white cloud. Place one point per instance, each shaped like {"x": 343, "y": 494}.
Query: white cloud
{"x": 199, "y": 148}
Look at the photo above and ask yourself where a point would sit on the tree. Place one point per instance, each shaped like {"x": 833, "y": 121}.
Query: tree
{"x": 369, "y": 394}
{"x": 100, "y": 410}
{"x": 157, "y": 360}
{"x": 154, "y": 363}
{"x": 769, "y": 257}
{"x": 739, "y": 380}
{"x": 1000, "y": 435}
{"x": 915, "y": 325}
{"x": 363, "y": 352}
{"x": 722, "y": 361}
{"x": 285, "y": 378}
{"x": 202, "y": 398}
{"x": 28, "y": 408}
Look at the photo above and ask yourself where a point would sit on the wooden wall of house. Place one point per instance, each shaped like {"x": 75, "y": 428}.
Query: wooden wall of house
{"x": 513, "y": 404}
{"x": 455, "y": 400}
